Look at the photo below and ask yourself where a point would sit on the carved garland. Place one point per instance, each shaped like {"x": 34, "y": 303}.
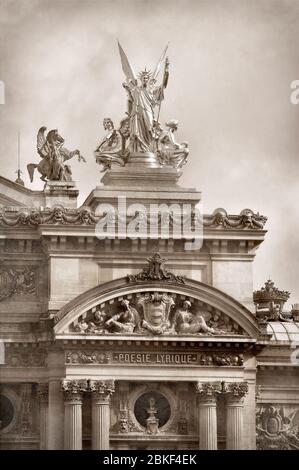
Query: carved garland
{"x": 247, "y": 219}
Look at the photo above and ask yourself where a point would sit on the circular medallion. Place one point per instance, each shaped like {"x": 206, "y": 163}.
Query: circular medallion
{"x": 152, "y": 405}
{"x": 6, "y": 412}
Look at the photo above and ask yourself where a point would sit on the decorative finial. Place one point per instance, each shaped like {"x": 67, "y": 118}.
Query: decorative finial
{"x": 19, "y": 172}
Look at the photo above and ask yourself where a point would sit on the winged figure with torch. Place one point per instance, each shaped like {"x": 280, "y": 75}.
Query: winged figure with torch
{"x": 144, "y": 96}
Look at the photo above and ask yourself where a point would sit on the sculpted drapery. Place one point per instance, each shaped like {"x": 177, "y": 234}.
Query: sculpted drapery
{"x": 143, "y": 98}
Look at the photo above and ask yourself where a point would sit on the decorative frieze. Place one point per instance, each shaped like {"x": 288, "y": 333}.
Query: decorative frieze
{"x": 246, "y": 220}
{"x": 87, "y": 357}
{"x": 145, "y": 358}
{"x": 43, "y": 392}
{"x": 25, "y": 358}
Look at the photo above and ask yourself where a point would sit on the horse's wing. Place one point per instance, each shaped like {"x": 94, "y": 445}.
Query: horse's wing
{"x": 41, "y": 140}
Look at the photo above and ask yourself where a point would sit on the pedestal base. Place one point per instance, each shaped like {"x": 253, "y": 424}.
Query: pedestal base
{"x": 138, "y": 176}
{"x": 62, "y": 193}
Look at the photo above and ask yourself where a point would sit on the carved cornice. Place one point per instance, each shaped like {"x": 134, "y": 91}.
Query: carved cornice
{"x": 247, "y": 219}
{"x": 43, "y": 392}
{"x": 102, "y": 389}
{"x": 73, "y": 389}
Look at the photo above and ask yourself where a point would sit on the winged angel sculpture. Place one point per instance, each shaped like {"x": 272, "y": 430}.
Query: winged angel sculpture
{"x": 141, "y": 131}
{"x": 53, "y": 155}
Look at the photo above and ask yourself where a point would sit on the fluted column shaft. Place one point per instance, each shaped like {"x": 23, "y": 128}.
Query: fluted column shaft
{"x": 234, "y": 424}
{"x": 73, "y": 395}
{"x": 43, "y": 396}
{"x": 101, "y": 391}
{"x": 73, "y": 424}
{"x": 207, "y": 416}
{"x": 234, "y": 415}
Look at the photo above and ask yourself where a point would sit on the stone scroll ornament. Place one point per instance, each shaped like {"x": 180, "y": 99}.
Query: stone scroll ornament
{"x": 141, "y": 132}
{"x": 53, "y": 166}
{"x": 155, "y": 271}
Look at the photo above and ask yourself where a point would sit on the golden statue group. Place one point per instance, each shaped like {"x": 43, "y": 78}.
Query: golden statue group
{"x": 139, "y": 133}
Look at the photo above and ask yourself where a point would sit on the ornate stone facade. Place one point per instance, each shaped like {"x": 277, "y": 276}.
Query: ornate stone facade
{"x": 121, "y": 333}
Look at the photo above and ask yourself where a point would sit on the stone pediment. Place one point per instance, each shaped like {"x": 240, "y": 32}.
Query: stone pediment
{"x": 14, "y": 195}
{"x": 133, "y": 308}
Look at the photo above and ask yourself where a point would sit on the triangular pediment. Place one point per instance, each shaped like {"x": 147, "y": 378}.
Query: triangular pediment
{"x": 14, "y": 195}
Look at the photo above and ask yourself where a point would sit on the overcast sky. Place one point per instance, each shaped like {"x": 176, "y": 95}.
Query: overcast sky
{"x": 231, "y": 66}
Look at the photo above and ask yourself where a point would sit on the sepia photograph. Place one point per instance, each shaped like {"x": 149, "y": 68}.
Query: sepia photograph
{"x": 149, "y": 247}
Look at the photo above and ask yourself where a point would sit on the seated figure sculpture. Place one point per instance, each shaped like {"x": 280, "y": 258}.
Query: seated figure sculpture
{"x": 112, "y": 149}
{"x": 125, "y": 321}
{"x": 169, "y": 151}
{"x": 188, "y": 323}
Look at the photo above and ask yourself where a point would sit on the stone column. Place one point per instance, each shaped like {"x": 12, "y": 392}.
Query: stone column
{"x": 235, "y": 393}
{"x": 207, "y": 416}
{"x": 101, "y": 390}
{"x": 73, "y": 395}
{"x": 43, "y": 396}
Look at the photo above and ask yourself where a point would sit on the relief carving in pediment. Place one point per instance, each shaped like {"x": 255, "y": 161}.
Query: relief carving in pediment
{"x": 156, "y": 314}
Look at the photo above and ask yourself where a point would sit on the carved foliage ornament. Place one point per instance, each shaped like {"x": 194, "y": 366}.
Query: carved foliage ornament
{"x": 87, "y": 357}
{"x": 206, "y": 390}
{"x": 155, "y": 271}
{"x": 17, "y": 280}
{"x": 102, "y": 388}
{"x": 277, "y": 428}
{"x": 74, "y": 389}
{"x": 247, "y": 219}
{"x": 43, "y": 392}
{"x": 25, "y": 358}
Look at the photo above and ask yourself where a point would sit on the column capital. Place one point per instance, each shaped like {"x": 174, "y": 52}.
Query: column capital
{"x": 102, "y": 389}
{"x": 235, "y": 391}
{"x": 43, "y": 392}
{"x": 74, "y": 389}
{"x": 208, "y": 391}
